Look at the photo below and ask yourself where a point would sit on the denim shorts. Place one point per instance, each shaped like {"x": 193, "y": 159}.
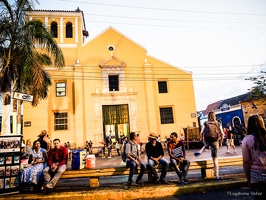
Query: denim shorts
{"x": 214, "y": 147}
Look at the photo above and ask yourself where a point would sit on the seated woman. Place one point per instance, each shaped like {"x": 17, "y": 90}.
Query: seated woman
{"x": 37, "y": 161}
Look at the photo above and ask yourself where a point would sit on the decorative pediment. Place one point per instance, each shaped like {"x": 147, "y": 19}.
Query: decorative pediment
{"x": 112, "y": 62}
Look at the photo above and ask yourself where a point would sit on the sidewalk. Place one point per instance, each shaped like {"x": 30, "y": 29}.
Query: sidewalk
{"x": 115, "y": 187}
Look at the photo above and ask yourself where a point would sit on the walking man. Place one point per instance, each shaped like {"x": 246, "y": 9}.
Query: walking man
{"x": 57, "y": 161}
{"x": 133, "y": 160}
{"x": 155, "y": 153}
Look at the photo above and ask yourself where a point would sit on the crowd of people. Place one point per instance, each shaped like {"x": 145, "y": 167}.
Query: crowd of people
{"x": 51, "y": 160}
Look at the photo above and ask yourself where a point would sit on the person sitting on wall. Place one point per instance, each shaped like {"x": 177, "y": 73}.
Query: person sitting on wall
{"x": 155, "y": 153}
{"x": 57, "y": 161}
{"x": 32, "y": 174}
{"x": 176, "y": 151}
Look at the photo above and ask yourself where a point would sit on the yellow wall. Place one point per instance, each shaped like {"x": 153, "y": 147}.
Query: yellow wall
{"x": 254, "y": 107}
{"x": 86, "y": 91}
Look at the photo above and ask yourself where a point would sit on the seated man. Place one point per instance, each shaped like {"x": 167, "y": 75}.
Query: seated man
{"x": 133, "y": 160}
{"x": 57, "y": 161}
{"x": 176, "y": 151}
{"x": 155, "y": 153}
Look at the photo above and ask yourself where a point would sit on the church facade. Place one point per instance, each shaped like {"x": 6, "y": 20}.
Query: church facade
{"x": 109, "y": 86}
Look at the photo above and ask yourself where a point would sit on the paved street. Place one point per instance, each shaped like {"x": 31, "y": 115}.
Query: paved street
{"x": 243, "y": 193}
{"x": 116, "y": 161}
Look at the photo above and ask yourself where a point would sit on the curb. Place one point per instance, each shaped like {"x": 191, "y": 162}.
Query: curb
{"x": 118, "y": 192}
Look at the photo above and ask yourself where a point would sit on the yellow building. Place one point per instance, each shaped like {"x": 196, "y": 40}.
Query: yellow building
{"x": 110, "y": 85}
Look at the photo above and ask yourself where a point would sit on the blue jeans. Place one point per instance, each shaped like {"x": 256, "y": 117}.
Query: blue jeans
{"x": 181, "y": 169}
{"x": 164, "y": 163}
{"x": 132, "y": 165}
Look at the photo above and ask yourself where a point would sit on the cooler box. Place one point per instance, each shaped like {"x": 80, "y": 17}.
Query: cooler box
{"x": 78, "y": 159}
{"x": 90, "y": 161}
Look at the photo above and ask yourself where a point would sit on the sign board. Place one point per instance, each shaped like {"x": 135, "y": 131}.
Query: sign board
{"x": 24, "y": 97}
{"x": 27, "y": 123}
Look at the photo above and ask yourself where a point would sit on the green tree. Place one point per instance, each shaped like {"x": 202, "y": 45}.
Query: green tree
{"x": 26, "y": 46}
{"x": 258, "y": 91}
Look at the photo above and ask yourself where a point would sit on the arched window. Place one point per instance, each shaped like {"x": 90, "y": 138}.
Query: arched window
{"x": 54, "y": 30}
{"x": 69, "y": 30}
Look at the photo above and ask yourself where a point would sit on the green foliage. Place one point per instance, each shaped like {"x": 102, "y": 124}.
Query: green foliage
{"x": 258, "y": 91}
{"x": 26, "y": 46}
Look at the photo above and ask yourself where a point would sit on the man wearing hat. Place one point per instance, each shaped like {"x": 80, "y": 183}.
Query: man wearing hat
{"x": 155, "y": 153}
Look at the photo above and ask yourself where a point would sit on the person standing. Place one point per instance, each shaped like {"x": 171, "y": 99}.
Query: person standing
{"x": 230, "y": 140}
{"x": 103, "y": 148}
{"x": 177, "y": 153}
{"x": 212, "y": 142}
{"x": 57, "y": 161}
{"x": 133, "y": 160}
{"x": 138, "y": 142}
{"x": 109, "y": 144}
{"x": 117, "y": 146}
{"x": 44, "y": 140}
{"x": 254, "y": 156}
{"x": 155, "y": 153}
{"x": 28, "y": 147}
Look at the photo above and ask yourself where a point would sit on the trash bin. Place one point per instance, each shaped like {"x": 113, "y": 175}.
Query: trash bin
{"x": 78, "y": 159}
{"x": 90, "y": 161}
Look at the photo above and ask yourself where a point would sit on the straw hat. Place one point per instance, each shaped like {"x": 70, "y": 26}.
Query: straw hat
{"x": 153, "y": 136}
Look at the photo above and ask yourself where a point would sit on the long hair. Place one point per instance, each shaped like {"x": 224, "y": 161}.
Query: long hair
{"x": 211, "y": 116}
{"x": 34, "y": 143}
{"x": 256, "y": 127}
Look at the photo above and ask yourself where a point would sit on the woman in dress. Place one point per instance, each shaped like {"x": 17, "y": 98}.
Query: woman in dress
{"x": 254, "y": 156}
{"x": 37, "y": 161}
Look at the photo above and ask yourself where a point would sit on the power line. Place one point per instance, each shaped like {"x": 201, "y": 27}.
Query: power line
{"x": 177, "y": 20}
{"x": 173, "y": 26}
{"x": 164, "y": 9}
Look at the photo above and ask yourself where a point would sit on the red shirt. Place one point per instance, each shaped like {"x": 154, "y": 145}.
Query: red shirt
{"x": 58, "y": 155}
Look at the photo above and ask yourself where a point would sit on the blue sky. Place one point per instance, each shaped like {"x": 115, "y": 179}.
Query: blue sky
{"x": 221, "y": 41}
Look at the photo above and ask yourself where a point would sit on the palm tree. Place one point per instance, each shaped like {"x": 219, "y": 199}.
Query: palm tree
{"x": 25, "y": 47}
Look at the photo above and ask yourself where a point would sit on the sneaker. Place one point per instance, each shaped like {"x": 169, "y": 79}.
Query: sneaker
{"x": 47, "y": 190}
{"x": 181, "y": 181}
{"x": 157, "y": 181}
{"x": 197, "y": 154}
{"x": 163, "y": 181}
{"x": 185, "y": 180}
{"x": 218, "y": 178}
{"x": 109, "y": 157}
{"x": 129, "y": 185}
{"x": 139, "y": 183}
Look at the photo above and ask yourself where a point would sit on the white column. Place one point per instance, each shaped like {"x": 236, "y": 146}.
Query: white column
{"x": 46, "y": 22}
{"x": 61, "y": 30}
{"x": 76, "y": 30}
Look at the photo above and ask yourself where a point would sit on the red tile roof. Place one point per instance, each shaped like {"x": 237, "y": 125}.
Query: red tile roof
{"x": 213, "y": 106}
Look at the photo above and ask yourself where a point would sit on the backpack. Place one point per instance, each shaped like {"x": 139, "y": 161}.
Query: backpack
{"x": 123, "y": 154}
{"x": 211, "y": 131}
